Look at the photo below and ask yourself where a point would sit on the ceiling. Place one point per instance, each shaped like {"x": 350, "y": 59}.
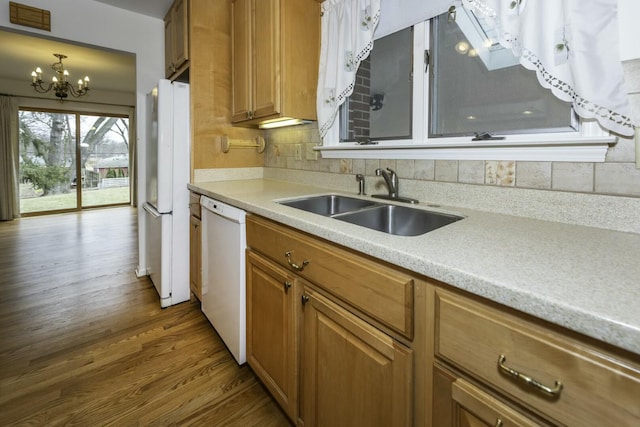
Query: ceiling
{"x": 154, "y": 8}
{"x": 108, "y": 70}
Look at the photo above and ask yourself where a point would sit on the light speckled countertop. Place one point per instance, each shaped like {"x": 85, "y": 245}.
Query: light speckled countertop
{"x": 583, "y": 278}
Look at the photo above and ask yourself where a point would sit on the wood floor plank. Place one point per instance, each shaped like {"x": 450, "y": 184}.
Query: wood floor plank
{"x": 85, "y": 342}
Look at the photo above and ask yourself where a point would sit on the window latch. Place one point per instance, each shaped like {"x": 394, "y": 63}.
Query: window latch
{"x": 451, "y": 17}
{"x": 426, "y": 60}
{"x": 363, "y": 140}
{"x": 486, "y": 136}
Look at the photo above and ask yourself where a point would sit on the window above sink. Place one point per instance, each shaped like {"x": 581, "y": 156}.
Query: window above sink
{"x": 414, "y": 137}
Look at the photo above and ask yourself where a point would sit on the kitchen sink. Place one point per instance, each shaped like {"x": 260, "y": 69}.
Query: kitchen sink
{"x": 328, "y": 204}
{"x": 399, "y": 220}
{"x": 391, "y": 219}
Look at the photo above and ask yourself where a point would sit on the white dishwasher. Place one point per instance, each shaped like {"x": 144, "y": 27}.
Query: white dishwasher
{"x": 223, "y": 273}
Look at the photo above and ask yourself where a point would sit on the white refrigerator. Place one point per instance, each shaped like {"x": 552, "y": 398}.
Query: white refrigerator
{"x": 167, "y": 157}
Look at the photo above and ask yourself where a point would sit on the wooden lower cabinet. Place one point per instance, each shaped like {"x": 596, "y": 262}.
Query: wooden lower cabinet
{"x": 195, "y": 256}
{"x": 459, "y": 403}
{"x": 352, "y": 374}
{"x": 539, "y": 368}
{"x": 195, "y": 246}
{"x": 272, "y": 323}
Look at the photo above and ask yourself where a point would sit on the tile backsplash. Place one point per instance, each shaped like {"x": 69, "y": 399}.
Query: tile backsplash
{"x": 616, "y": 176}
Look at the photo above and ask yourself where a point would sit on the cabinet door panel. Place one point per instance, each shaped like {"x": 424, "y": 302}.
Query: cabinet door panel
{"x": 458, "y": 403}
{"x": 181, "y": 32}
{"x": 266, "y": 58}
{"x": 168, "y": 45}
{"x": 352, "y": 373}
{"x": 476, "y": 408}
{"x": 195, "y": 256}
{"x": 241, "y": 52}
{"x": 271, "y": 330}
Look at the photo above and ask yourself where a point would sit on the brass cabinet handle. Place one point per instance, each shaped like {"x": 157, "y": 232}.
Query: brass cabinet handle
{"x": 553, "y": 392}
{"x": 305, "y": 299}
{"x": 287, "y": 285}
{"x": 498, "y": 423}
{"x": 293, "y": 264}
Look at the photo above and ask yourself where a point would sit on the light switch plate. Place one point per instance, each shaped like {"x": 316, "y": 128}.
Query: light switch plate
{"x": 298, "y": 152}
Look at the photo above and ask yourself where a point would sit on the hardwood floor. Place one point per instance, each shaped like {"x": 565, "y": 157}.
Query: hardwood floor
{"x": 85, "y": 342}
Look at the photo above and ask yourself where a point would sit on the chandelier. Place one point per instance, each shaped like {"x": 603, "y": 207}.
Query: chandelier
{"x": 59, "y": 82}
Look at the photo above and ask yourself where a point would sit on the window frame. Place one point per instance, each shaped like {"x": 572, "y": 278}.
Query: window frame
{"x": 589, "y": 144}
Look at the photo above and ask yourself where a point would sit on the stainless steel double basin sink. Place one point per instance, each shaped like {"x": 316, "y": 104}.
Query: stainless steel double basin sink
{"x": 392, "y": 219}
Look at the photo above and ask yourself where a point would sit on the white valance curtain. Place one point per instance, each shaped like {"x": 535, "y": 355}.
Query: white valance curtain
{"x": 571, "y": 44}
{"x": 347, "y": 38}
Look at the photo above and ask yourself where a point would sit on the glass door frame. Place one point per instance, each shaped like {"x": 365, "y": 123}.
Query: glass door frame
{"x": 78, "y": 156}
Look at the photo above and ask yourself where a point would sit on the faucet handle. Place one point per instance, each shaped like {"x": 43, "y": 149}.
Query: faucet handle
{"x": 360, "y": 179}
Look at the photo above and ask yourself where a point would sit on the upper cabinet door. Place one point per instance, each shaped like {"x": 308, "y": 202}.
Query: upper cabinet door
{"x": 168, "y": 44}
{"x": 242, "y": 62}
{"x": 266, "y": 55}
{"x": 181, "y": 32}
{"x": 176, "y": 39}
{"x": 276, "y": 45}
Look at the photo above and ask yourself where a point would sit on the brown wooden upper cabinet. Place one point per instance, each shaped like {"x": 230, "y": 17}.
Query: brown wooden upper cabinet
{"x": 176, "y": 39}
{"x": 276, "y": 45}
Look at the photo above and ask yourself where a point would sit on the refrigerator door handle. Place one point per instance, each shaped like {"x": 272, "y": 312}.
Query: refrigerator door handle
{"x": 151, "y": 210}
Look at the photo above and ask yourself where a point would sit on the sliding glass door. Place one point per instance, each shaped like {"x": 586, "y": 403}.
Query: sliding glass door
{"x": 104, "y": 160}
{"x": 70, "y": 160}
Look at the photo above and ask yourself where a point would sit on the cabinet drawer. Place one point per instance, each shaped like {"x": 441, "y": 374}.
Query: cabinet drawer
{"x": 194, "y": 204}
{"x": 595, "y": 389}
{"x": 474, "y": 407}
{"x": 377, "y": 290}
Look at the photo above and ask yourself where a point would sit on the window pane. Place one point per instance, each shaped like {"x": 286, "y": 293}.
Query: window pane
{"x": 104, "y": 163}
{"x": 479, "y": 86}
{"x": 47, "y": 161}
{"x": 380, "y": 106}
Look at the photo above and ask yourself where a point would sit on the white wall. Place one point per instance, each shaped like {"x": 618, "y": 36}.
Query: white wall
{"x": 97, "y": 24}
{"x": 94, "y": 23}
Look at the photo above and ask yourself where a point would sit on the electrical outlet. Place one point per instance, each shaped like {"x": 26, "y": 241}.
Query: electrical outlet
{"x": 298, "y": 152}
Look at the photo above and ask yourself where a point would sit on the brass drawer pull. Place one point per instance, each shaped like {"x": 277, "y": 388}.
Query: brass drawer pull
{"x": 553, "y": 392}
{"x": 293, "y": 264}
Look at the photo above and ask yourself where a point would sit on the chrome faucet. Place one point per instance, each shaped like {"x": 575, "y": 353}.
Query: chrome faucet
{"x": 391, "y": 178}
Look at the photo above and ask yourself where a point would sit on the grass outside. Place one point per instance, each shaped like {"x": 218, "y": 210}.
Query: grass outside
{"x": 93, "y": 197}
